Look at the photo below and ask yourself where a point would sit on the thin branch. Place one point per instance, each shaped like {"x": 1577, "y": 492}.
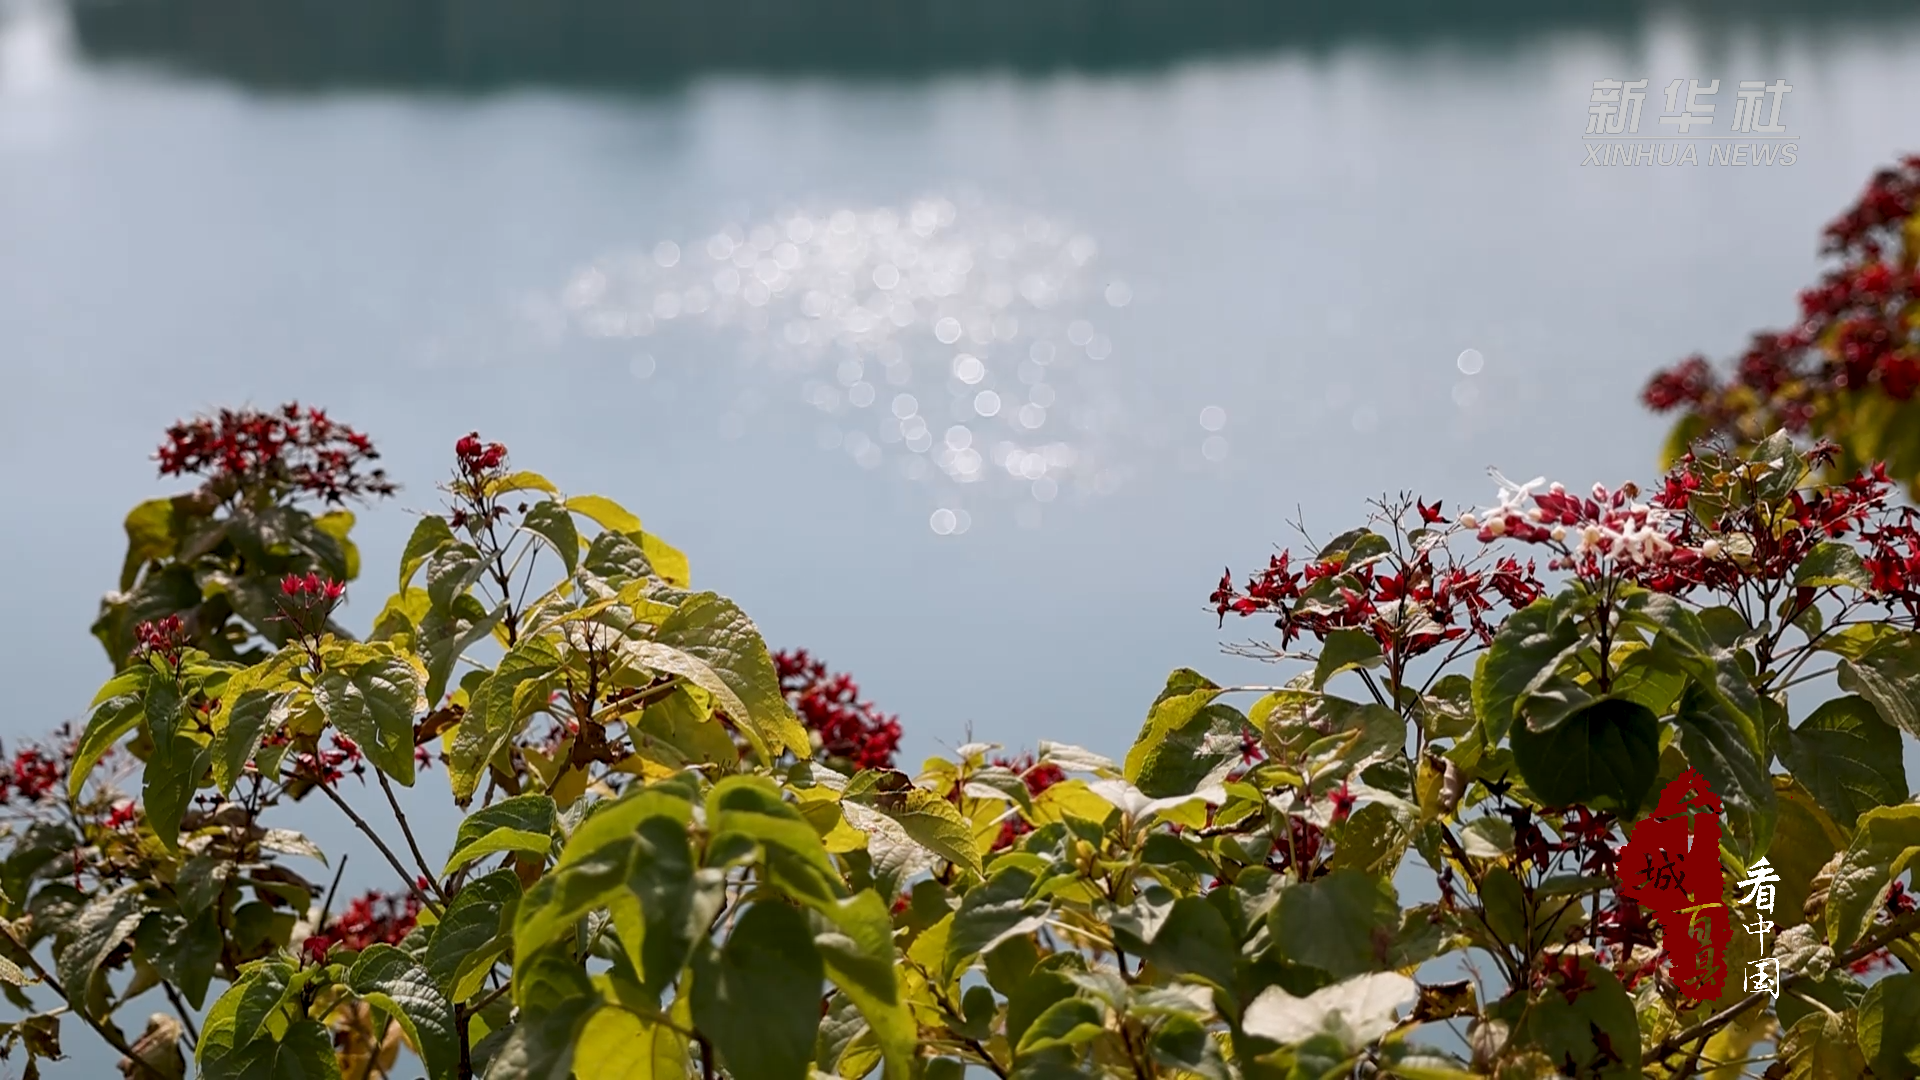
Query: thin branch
{"x": 333, "y": 890}
{"x": 112, "y": 1037}
{"x": 1867, "y": 946}
{"x": 186, "y": 1015}
{"x": 406, "y": 830}
{"x": 412, "y": 886}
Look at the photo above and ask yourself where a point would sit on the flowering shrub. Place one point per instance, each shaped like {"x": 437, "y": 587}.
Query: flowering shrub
{"x": 1849, "y": 369}
{"x": 212, "y": 560}
{"x": 679, "y": 854}
{"x": 849, "y": 730}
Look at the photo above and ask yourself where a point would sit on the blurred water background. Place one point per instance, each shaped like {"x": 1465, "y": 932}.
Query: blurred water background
{"x": 962, "y": 343}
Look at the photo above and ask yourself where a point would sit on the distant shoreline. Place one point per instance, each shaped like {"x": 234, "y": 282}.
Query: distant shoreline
{"x": 656, "y": 45}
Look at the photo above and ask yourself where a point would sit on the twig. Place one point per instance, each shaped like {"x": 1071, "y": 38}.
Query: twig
{"x": 492, "y": 996}
{"x": 706, "y": 1057}
{"x": 333, "y": 890}
{"x": 112, "y": 1037}
{"x": 406, "y": 830}
{"x": 1872, "y": 943}
{"x": 413, "y": 887}
{"x": 186, "y": 1016}
{"x": 373, "y": 1048}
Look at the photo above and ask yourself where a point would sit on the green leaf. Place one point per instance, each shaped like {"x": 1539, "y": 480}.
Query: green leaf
{"x": 500, "y": 704}
{"x": 1732, "y": 758}
{"x": 1187, "y": 738}
{"x": 1598, "y": 1030}
{"x": 681, "y": 729}
{"x": 1888, "y": 674}
{"x": 1195, "y": 940}
{"x": 394, "y": 982}
{"x": 1822, "y": 1046}
{"x": 758, "y": 996}
{"x": 95, "y": 932}
{"x": 1184, "y": 1045}
{"x": 551, "y": 522}
{"x": 1526, "y": 651}
{"x": 1604, "y": 756}
{"x": 1341, "y": 923}
{"x": 747, "y": 812}
{"x": 1848, "y": 758}
{"x": 185, "y": 950}
{"x": 990, "y": 914}
{"x": 152, "y": 536}
{"x": 1886, "y": 841}
{"x": 1805, "y": 839}
{"x": 429, "y": 536}
{"x": 1354, "y": 1012}
{"x": 524, "y": 823}
{"x": 262, "y": 994}
{"x": 117, "y": 710}
{"x": 618, "y": 558}
{"x": 1345, "y": 650}
{"x": 374, "y": 703}
{"x": 632, "y": 854}
{"x": 1831, "y": 564}
{"x": 1889, "y": 1026}
{"x": 458, "y": 951}
{"x": 1682, "y": 638}
{"x": 859, "y": 957}
{"x": 249, "y": 718}
{"x": 521, "y": 480}
{"x": 445, "y": 635}
{"x": 305, "y": 1052}
{"x": 617, "y": 1045}
{"x": 451, "y": 571}
{"x": 932, "y": 822}
{"x": 167, "y": 785}
{"x": 713, "y": 630}
{"x": 669, "y": 563}
{"x": 604, "y": 512}
{"x": 1068, "y": 1022}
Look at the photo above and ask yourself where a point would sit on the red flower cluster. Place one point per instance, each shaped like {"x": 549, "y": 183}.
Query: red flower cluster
{"x": 123, "y": 815}
{"x": 295, "y": 449}
{"x": 1852, "y": 334}
{"x": 307, "y": 600}
{"x": 1409, "y": 607}
{"x": 372, "y": 919}
{"x": 476, "y": 457}
{"x": 1298, "y": 849}
{"x": 1343, "y": 800}
{"x": 31, "y": 776}
{"x": 328, "y": 766}
{"x": 1038, "y": 778}
{"x": 160, "y": 637}
{"x": 1895, "y": 562}
{"x": 1666, "y": 545}
{"x": 830, "y": 705}
{"x": 311, "y": 589}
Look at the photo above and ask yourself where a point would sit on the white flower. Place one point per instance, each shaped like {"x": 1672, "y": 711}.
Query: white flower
{"x": 1711, "y": 549}
{"x": 1467, "y": 519}
{"x": 1559, "y": 534}
{"x": 1512, "y": 495}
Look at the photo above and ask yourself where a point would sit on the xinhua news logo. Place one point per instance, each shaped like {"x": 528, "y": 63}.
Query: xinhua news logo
{"x": 1753, "y": 135}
